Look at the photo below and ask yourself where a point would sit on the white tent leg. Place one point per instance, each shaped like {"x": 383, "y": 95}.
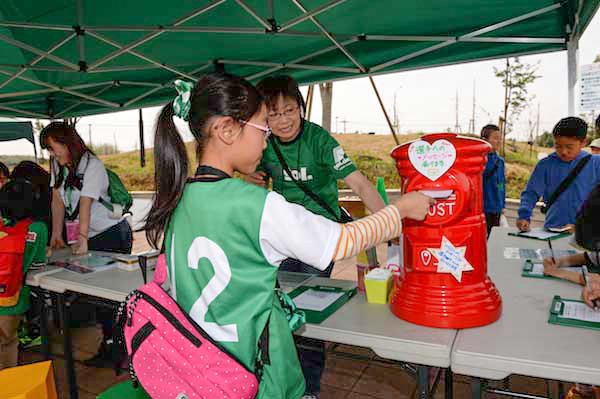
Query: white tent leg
{"x": 573, "y": 71}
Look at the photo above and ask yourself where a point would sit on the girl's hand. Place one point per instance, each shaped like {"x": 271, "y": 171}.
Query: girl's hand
{"x": 523, "y": 225}
{"x": 57, "y": 242}
{"x": 591, "y": 292}
{"x": 414, "y": 205}
{"x": 550, "y": 263}
{"x": 257, "y": 178}
{"x": 81, "y": 247}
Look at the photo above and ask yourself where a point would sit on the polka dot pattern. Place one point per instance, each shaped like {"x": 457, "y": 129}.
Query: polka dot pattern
{"x": 169, "y": 365}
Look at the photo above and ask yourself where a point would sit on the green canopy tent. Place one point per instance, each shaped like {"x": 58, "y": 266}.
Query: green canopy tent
{"x": 17, "y": 130}
{"x": 65, "y": 58}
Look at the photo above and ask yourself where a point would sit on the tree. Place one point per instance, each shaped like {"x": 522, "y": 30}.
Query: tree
{"x": 546, "y": 140}
{"x": 515, "y": 78}
{"x": 326, "y": 90}
{"x": 597, "y": 58}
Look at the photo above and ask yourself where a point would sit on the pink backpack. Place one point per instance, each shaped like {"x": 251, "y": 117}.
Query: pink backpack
{"x": 171, "y": 356}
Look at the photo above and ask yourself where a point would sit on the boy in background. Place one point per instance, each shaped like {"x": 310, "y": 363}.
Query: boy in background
{"x": 561, "y": 207}
{"x": 18, "y": 199}
{"x": 494, "y": 181}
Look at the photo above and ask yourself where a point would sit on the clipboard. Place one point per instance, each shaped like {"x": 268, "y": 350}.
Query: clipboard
{"x": 316, "y": 316}
{"x": 556, "y": 310}
{"x": 539, "y": 234}
{"x": 530, "y": 270}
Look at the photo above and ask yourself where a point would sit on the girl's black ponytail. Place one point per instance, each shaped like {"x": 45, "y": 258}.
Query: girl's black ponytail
{"x": 170, "y": 174}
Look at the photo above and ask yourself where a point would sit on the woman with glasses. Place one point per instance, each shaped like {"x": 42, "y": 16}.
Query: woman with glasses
{"x": 303, "y": 156}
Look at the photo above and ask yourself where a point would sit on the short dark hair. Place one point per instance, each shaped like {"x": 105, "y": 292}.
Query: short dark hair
{"x": 4, "y": 170}
{"x": 17, "y": 200}
{"x": 571, "y": 126}
{"x": 487, "y": 130}
{"x": 281, "y": 85}
{"x": 40, "y": 181}
{"x": 598, "y": 124}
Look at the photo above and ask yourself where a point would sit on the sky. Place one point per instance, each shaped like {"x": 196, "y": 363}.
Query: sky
{"x": 425, "y": 101}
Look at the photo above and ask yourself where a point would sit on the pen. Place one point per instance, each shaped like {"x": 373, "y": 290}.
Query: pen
{"x": 586, "y": 280}
{"x": 551, "y": 250}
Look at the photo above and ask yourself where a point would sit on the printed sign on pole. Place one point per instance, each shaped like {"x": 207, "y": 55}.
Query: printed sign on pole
{"x": 589, "y": 100}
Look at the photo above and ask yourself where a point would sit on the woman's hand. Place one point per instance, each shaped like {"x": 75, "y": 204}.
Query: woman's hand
{"x": 414, "y": 205}
{"x": 81, "y": 247}
{"x": 57, "y": 242}
{"x": 257, "y": 178}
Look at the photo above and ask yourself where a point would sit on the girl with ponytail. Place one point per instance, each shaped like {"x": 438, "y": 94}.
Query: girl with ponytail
{"x": 224, "y": 239}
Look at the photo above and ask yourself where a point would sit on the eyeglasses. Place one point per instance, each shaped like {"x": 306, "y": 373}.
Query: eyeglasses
{"x": 275, "y": 116}
{"x": 265, "y": 129}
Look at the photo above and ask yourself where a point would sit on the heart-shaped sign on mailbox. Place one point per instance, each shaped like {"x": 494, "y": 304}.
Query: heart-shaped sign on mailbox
{"x": 432, "y": 160}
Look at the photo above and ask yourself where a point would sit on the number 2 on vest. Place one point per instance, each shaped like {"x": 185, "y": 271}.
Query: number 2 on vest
{"x": 202, "y": 247}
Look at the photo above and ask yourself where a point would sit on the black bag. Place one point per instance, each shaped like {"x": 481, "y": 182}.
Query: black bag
{"x": 562, "y": 187}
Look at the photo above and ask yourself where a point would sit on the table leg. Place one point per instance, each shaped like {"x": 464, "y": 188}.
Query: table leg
{"x": 43, "y": 309}
{"x": 476, "y": 388}
{"x": 422, "y": 382}
{"x": 449, "y": 384}
{"x": 63, "y": 306}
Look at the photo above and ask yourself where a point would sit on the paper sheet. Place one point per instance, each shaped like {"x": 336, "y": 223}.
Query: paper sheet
{"x": 318, "y": 300}
{"x": 539, "y": 233}
{"x": 535, "y": 254}
{"x": 579, "y": 311}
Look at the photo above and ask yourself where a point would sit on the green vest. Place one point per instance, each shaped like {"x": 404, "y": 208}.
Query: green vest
{"x": 315, "y": 158}
{"x": 222, "y": 279}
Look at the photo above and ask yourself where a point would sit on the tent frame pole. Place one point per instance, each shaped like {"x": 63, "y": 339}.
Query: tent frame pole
{"x": 387, "y": 118}
{"x": 573, "y": 71}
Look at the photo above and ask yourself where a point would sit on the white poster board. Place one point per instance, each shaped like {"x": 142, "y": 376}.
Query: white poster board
{"x": 589, "y": 99}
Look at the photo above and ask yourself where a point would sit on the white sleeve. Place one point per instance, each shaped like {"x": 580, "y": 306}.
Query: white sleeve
{"x": 290, "y": 231}
{"x": 95, "y": 179}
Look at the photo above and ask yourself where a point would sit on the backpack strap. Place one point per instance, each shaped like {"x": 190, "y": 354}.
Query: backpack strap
{"x": 492, "y": 171}
{"x": 302, "y": 186}
{"x": 564, "y": 185}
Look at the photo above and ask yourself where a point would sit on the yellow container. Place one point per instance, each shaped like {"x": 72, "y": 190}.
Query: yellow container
{"x": 33, "y": 381}
{"x": 378, "y": 283}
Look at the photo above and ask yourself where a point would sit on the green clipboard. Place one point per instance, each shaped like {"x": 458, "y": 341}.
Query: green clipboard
{"x": 556, "y": 309}
{"x": 315, "y": 316}
{"x": 527, "y": 271}
{"x": 539, "y": 234}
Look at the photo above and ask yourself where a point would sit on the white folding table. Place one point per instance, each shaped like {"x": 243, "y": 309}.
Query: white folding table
{"x": 522, "y": 341}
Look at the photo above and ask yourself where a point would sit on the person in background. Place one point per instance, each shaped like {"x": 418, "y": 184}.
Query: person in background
{"x": 40, "y": 179}
{"x": 19, "y": 199}
{"x": 316, "y": 160}
{"x": 494, "y": 180}
{"x": 79, "y": 180}
{"x": 587, "y": 236}
{"x": 217, "y": 227}
{"x": 595, "y": 146}
{"x": 569, "y": 140}
{"x": 4, "y": 173}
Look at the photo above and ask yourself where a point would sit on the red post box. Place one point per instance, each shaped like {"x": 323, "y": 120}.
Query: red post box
{"x": 445, "y": 283}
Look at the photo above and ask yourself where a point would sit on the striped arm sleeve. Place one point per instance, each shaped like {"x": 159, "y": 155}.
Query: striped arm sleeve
{"x": 368, "y": 231}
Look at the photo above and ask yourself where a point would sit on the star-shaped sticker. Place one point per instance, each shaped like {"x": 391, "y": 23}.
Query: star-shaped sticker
{"x": 451, "y": 259}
